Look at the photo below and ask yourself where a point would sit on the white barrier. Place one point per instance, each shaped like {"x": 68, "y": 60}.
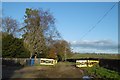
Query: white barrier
{"x": 45, "y": 61}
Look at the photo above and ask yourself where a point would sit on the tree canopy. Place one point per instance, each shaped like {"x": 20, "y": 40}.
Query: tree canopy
{"x": 39, "y": 30}
{"x": 13, "y": 47}
{"x": 40, "y": 36}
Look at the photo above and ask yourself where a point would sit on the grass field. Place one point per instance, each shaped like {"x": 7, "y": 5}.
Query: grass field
{"x": 93, "y": 55}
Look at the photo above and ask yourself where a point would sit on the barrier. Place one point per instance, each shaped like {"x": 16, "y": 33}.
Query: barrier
{"x": 45, "y": 61}
{"x": 86, "y": 63}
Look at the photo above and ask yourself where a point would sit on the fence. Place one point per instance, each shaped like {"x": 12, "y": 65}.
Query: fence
{"x": 20, "y": 61}
{"x": 24, "y": 61}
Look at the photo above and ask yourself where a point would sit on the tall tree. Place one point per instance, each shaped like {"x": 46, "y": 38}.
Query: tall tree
{"x": 62, "y": 48}
{"x": 33, "y": 38}
{"x": 52, "y": 53}
{"x": 0, "y": 24}
{"x": 39, "y": 30}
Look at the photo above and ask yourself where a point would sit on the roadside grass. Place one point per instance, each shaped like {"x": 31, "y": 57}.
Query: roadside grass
{"x": 100, "y": 72}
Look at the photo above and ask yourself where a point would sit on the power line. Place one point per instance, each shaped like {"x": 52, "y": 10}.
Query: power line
{"x": 98, "y": 21}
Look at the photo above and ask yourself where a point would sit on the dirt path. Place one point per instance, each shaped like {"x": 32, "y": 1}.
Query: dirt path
{"x": 60, "y": 70}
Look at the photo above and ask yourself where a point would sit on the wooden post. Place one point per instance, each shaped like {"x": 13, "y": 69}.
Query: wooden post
{"x": 35, "y": 57}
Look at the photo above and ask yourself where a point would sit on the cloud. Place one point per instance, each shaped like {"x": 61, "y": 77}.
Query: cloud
{"x": 96, "y": 45}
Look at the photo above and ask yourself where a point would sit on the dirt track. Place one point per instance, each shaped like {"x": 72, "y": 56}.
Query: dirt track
{"x": 61, "y": 70}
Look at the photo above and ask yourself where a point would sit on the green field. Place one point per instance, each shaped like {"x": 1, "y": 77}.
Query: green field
{"x": 99, "y": 72}
{"x": 93, "y": 55}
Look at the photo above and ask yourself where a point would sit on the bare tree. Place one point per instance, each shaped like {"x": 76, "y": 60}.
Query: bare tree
{"x": 10, "y": 25}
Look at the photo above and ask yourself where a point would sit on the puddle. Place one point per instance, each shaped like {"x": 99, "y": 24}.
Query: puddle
{"x": 86, "y": 78}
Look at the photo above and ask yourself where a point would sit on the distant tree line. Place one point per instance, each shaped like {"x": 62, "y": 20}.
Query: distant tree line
{"x": 39, "y": 35}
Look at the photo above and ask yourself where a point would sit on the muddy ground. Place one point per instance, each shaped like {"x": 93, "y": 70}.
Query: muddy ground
{"x": 60, "y": 70}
